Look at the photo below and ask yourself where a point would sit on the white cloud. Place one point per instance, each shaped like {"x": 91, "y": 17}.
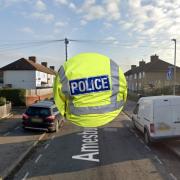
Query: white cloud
{"x": 112, "y": 9}
{"x": 95, "y": 12}
{"x": 40, "y": 5}
{"x": 61, "y": 2}
{"x": 107, "y": 25}
{"x": 83, "y": 22}
{"x": 57, "y": 31}
{"x": 109, "y": 10}
{"x": 151, "y": 19}
{"x": 45, "y": 17}
{"x": 112, "y": 40}
{"x": 7, "y": 3}
{"x": 27, "y": 30}
{"x": 72, "y": 6}
{"x": 58, "y": 27}
{"x": 87, "y": 4}
{"x": 60, "y": 24}
{"x": 125, "y": 25}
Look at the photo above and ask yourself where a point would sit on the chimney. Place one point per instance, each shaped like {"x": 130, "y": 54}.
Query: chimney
{"x": 52, "y": 67}
{"x": 142, "y": 63}
{"x": 133, "y": 66}
{"x": 154, "y": 58}
{"x": 44, "y": 64}
{"x": 32, "y": 58}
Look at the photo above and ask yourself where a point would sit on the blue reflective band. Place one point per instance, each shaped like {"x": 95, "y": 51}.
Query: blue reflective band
{"x": 88, "y": 85}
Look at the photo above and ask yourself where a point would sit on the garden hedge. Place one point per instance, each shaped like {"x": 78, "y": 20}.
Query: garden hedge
{"x": 16, "y": 96}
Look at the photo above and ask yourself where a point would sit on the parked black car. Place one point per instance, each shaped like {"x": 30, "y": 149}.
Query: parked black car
{"x": 43, "y": 115}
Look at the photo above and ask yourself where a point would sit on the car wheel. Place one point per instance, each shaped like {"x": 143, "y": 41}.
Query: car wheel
{"x": 146, "y": 138}
{"x": 61, "y": 124}
{"x": 57, "y": 126}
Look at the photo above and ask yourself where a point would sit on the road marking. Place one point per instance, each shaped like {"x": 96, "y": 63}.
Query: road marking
{"x": 147, "y": 147}
{"x": 47, "y": 145}
{"x": 42, "y": 136}
{"x": 90, "y": 146}
{"x": 172, "y": 176}
{"x": 17, "y": 127}
{"x": 52, "y": 137}
{"x": 35, "y": 143}
{"x": 6, "y": 134}
{"x": 160, "y": 162}
{"x": 38, "y": 158}
{"x": 25, "y": 176}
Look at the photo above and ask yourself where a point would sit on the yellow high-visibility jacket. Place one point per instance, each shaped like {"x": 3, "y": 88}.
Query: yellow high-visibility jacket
{"x": 92, "y": 87}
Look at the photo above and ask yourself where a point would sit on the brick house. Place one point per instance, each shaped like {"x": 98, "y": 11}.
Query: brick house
{"x": 28, "y": 74}
{"x": 151, "y": 75}
{"x": 37, "y": 79}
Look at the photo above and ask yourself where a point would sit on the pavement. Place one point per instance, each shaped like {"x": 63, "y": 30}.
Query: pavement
{"x": 173, "y": 145}
{"x": 15, "y": 143}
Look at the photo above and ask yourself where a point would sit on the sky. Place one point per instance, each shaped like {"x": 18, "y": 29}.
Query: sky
{"x": 127, "y": 31}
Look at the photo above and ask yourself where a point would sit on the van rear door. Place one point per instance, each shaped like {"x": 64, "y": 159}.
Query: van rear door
{"x": 163, "y": 120}
{"x": 175, "y": 105}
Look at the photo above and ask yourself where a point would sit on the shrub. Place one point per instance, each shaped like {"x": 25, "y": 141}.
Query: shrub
{"x": 2, "y": 101}
{"x": 132, "y": 96}
{"x": 16, "y": 96}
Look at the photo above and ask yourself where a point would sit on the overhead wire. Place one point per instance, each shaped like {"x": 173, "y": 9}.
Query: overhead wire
{"x": 26, "y": 43}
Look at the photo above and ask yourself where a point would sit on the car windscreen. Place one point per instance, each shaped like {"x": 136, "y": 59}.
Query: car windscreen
{"x": 38, "y": 111}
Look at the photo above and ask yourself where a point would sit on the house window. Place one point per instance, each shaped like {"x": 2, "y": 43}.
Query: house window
{"x": 130, "y": 77}
{"x": 143, "y": 74}
{"x": 135, "y": 76}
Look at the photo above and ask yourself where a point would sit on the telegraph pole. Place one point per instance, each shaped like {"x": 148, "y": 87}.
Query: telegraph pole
{"x": 66, "y": 42}
{"x": 174, "y": 79}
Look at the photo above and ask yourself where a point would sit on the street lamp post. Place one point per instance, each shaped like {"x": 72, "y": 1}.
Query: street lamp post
{"x": 66, "y": 41}
{"x": 174, "y": 80}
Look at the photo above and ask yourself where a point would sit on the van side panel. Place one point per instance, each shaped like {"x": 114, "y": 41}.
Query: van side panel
{"x": 163, "y": 118}
{"x": 148, "y": 110}
{"x": 145, "y": 114}
{"x": 175, "y": 105}
{"x": 139, "y": 121}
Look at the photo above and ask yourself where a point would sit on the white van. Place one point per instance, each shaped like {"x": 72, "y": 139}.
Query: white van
{"x": 158, "y": 117}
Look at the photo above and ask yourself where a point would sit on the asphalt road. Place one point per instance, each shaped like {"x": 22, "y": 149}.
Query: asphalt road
{"x": 112, "y": 152}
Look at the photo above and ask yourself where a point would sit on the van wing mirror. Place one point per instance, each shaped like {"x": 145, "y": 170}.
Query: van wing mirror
{"x": 136, "y": 109}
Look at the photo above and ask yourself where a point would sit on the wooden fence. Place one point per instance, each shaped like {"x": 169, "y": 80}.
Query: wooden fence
{"x": 5, "y": 110}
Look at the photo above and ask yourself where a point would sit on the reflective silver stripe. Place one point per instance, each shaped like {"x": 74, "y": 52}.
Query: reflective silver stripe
{"x": 64, "y": 81}
{"x": 95, "y": 109}
{"x": 115, "y": 80}
{"x": 114, "y": 105}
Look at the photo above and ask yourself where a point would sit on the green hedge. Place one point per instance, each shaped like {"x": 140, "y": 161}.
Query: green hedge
{"x": 168, "y": 90}
{"x": 2, "y": 101}
{"x": 16, "y": 96}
